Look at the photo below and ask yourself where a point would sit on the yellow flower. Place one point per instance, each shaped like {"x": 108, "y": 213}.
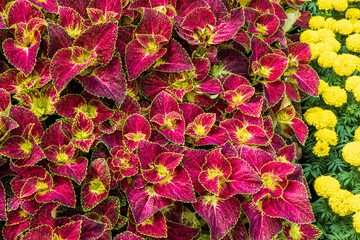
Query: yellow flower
{"x": 315, "y": 51}
{"x": 345, "y": 64}
{"x": 356, "y": 92}
{"x": 326, "y": 59}
{"x": 344, "y": 27}
{"x": 356, "y": 221}
{"x": 320, "y": 118}
{"x": 357, "y": 135}
{"x": 352, "y": 13}
{"x": 333, "y": 44}
{"x": 334, "y": 96}
{"x": 316, "y": 22}
{"x": 324, "y": 5}
{"x": 322, "y": 86}
{"x": 309, "y": 36}
{"x": 327, "y": 135}
{"x": 340, "y": 5}
{"x": 351, "y": 83}
{"x": 325, "y": 33}
{"x": 330, "y": 23}
{"x": 355, "y": 203}
{"x": 340, "y": 202}
{"x": 356, "y": 26}
{"x": 321, "y": 149}
{"x": 325, "y": 186}
{"x": 351, "y": 153}
{"x": 353, "y": 42}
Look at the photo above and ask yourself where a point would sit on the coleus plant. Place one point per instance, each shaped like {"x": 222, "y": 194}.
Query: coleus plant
{"x": 153, "y": 119}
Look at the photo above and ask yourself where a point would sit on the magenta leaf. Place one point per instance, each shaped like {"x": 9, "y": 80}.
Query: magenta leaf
{"x": 41, "y": 232}
{"x": 107, "y": 81}
{"x": 10, "y": 232}
{"x": 3, "y": 216}
{"x": 54, "y": 136}
{"x": 110, "y": 10}
{"x": 226, "y": 30}
{"x": 71, "y": 21}
{"x": 307, "y": 79}
{"x": 22, "y": 57}
{"x": 25, "y": 118}
{"x": 216, "y": 136}
{"x": 69, "y": 105}
{"x": 261, "y": 226}
{"x": 75, "y": 169}
{"x": 238, "y": 232}
{"x": 201, "y": 125}
{"x": 67, "y": 63}
{"x": 153, "y": 84}
{"x": 82, "y": 130}
{"x": 22, "y": 12}
{"x": 47, "y": 5}
{"x": 176, "y": 186}
{"x": 128, "y": 236}
{"x": 59, "y": 38}
{"x": 272, "y": 66}
{"x": 100, "y": 39}
{"x": 138, "y": 59}
{"x": 70, "y": 231}
{"x": 109, "y": 208}
{"x": 154, "y": 23}
{"x": 175, "y": 59}
{"x": 155, "y": 226}
{"x": 61, "y": 192}
{"x": 16, "y": 147}
{"x": 221, "y": 215}
{"x": 233, "y": 61}
{"x": 300, "y": 52}
{"x": 147, "y": 153}
{"x": 97, "y": 184}
{"x": 89, "y": 229}
{"x": 307, "y": 231}
{"x": 136, "y": 128}
{"x": 145, "y": 202}
{"x": 256, "y": 157}
{"x": 293, "y": 205}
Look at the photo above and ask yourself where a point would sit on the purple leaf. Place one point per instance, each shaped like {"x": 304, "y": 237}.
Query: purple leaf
{"x": 221, "y": 215}
{"x": 108, "y": 81}
{"x": 3, "y": 216}
{"x": 109, "y": 208}
{"x": 99, "y": 38}
{"x": 89, "y": 229}
{"x": 40, "y": 232}
{"x": 22, "y": 12}
{"x": 262, "y": 227}
{"x": 175, "y": 59}
{"x": 145, "y": 202}
{"x": 58, "y": 39}
{"x": 97, "y": 184}
{"x": 128, "y": 236}
{"x": 69, "y": 231}
{"x": 22, "y": 57}
{"x": 138, "y": 59}
{"x": 62, "y": 192}
{"x": 75, "y": 169}
{"x": 154, "y": 226}
{"x": 67, "y": 63}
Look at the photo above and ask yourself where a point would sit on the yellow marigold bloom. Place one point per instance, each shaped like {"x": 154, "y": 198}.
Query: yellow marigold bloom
{"x": 340, "y": 5}
{"x": 351, "y": 153}
{"x": 320, "y": 118}
{"x": 309, "y": 36}
{"x": 353, "y": 42}
{"x": 325, "y": 33}
{"x": 356, "y": 92}
{"x": 352, "y": 13}
{"x": 326, "y": 59}
{"x": 356, "y": 26}
{"x": 356, "y": 221}
{"x": 324, "y": 5}
{"x": 332, "y": 44}
{"x": 315, "y": 51}
{"x": 327, "y": 135}
{"x": 357, "y": 135}
{"x": 355, "y": 203}
{"x": 321, "y": 149}
{"x": 344, "y": 27}
{"x": 325, "y": 186}
{"x": 340, "y": 202}
{"x": 345, "y": 64}
{"x": 330, "y": 24}
{"x": 322, "y": 86}
{"x": 316, "y": 22}
{"x": 334, "y": 96}
{"x": 351, "y": 83}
